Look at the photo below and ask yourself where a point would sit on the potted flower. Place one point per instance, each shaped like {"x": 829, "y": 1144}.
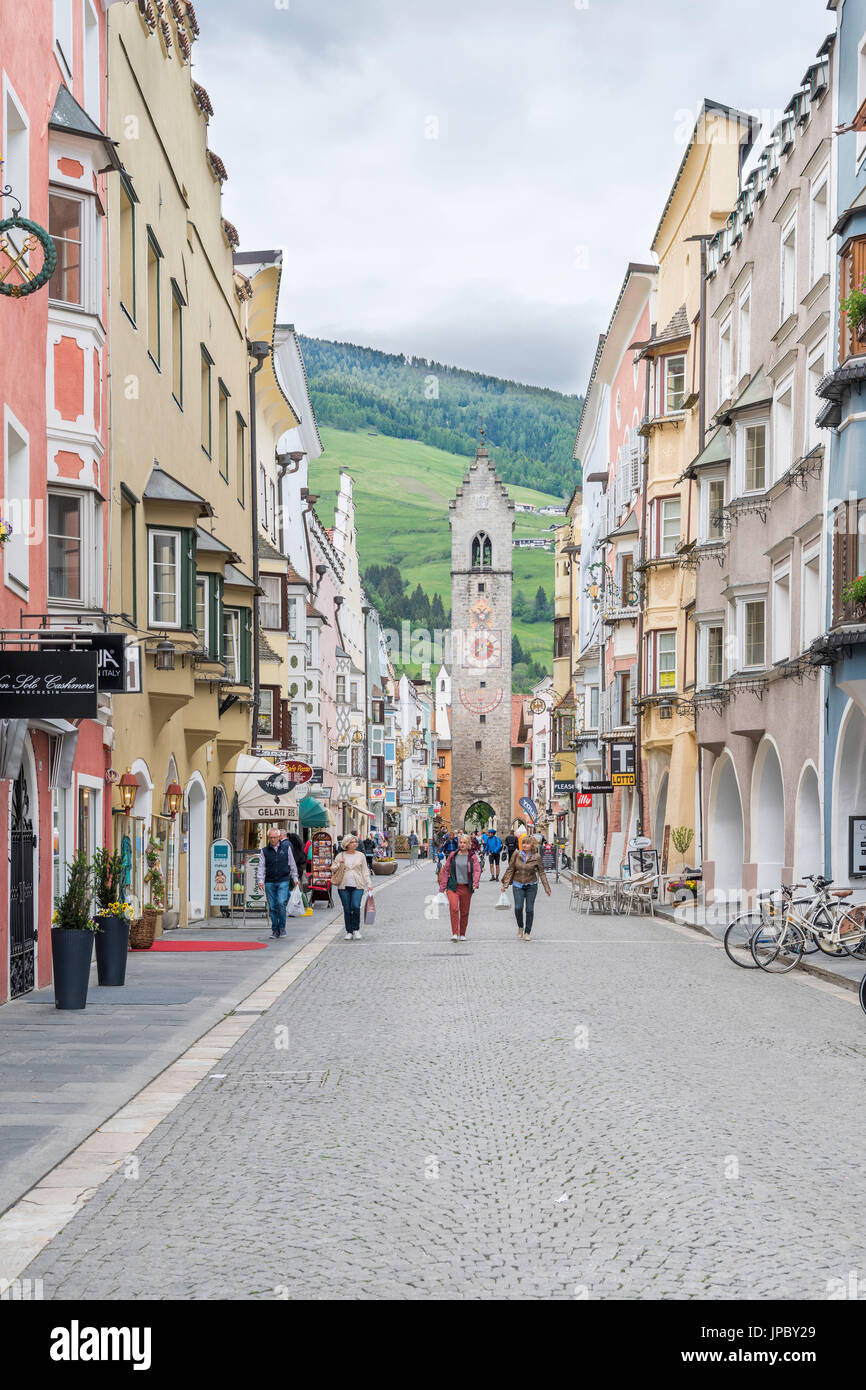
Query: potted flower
{"x": 72, "y": 929}
{"x": 5, "y": 531}
{"x": 855, "y": 592}
{"x": 151, "y": 916}
{"x": 680, "y": 887}
{"x": 855, "y": 308}
{"x": 385, "y": 866}
{"x": 112, "y": 917}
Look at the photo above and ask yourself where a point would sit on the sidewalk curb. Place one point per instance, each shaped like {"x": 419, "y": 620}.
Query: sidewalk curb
{"x": 40, "y": 1214}
{"x": 820, "y": 971}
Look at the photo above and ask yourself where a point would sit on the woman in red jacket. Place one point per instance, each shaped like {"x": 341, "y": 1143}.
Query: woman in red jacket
{"x": 459, "y": 876}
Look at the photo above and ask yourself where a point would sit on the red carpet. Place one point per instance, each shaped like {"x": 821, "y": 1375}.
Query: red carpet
{"x": 209, "y": 945}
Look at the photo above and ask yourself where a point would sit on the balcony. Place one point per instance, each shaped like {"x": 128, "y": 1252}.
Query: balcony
{"x": 852, "y": 271}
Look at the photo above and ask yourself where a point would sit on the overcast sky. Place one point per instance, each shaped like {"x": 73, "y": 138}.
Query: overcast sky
{"x": 467, "y": 179}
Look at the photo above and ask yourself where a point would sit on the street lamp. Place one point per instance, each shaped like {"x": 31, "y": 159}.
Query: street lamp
{"x": 666, "y": 709}
{"x": 128, "y": 789}
{"x": 163, "y": 657}
{"x": 174, "y": 796}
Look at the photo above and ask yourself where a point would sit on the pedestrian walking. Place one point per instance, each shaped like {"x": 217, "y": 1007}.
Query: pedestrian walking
{"x": 277, "y": 875}
{"x": 524, "y": 873}
{"x": 413, "y": 847}
{"x": 300, "y": 858}
{"x": 459, "y": 876}
{"x": 350, "y": 876}
{"x": 369, "y": 848}
{"x": 494, "y": 854}
{"x": 511, "y": 844}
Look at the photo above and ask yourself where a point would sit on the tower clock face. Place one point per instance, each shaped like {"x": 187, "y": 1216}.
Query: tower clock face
{"x": 481, "y": 648}
{"x": 481, "y": 614}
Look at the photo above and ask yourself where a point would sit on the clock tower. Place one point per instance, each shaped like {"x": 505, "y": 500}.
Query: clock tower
{"x": 482, "y": 521}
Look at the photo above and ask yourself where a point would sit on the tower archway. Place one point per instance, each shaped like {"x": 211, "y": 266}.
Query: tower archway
{"x": 479, "y": 816}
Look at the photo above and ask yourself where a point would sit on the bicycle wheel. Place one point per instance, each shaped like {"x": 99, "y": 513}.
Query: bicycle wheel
{"x": 801, "y": 905}
{"x": 778, "y": 946}
{"x": 863, "y": 994}
{"x": 738, "y": 935}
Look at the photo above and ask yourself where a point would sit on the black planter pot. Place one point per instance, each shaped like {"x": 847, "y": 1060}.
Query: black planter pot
{"x": 71, "y": 954}
{"x": 112, "y": 947}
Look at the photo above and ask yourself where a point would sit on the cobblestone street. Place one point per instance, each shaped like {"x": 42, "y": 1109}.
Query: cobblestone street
{"x": 611, "y": 1110}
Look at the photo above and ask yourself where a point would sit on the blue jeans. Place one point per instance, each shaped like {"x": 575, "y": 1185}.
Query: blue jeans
{"x": 351, "y": 900}
{"x": 277, "y": 894}
{"x": 524, "y": 897}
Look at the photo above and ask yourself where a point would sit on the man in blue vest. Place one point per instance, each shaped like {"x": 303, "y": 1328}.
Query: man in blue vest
{"x": 277, "y": 874}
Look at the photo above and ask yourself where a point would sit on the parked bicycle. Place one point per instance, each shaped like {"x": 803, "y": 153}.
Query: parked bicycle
{"x": 835, "y": 926}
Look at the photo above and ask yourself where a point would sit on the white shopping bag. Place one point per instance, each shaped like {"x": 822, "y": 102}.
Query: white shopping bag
{"x": 503, "y": 901}
{"x": 295, "y": 905}
{"x": 441, "y": 898}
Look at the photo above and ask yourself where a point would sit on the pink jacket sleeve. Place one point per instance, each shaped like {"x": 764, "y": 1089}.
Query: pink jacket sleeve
{"x": 476, "y": 870}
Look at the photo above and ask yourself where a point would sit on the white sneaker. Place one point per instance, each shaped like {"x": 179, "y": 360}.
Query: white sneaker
{"x": 348, "y": 936}
{"x": 454, "y": 936}
{"x": 358, "y": 934}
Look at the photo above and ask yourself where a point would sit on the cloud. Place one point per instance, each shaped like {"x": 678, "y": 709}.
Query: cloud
{"x": 469, "y": 181}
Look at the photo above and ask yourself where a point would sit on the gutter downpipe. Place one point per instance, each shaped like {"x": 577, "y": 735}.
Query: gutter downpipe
{"x": 259, "y": 351}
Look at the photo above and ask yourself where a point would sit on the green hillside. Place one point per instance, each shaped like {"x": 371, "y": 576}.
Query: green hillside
{"x": 402, "y": 491}
{"x": 531, "y": 429}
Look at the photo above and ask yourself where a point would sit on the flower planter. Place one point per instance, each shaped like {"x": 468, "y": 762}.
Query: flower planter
{"x": 142, "y": 932}
{"x": 153, "y": 916}
{"x": 71, "y": 954}
{"x": 112, "y": 945}
{"x": 384, "y": 866}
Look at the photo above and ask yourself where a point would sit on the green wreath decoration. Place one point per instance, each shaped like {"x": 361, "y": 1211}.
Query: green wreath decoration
{"x": 49, "y": 264}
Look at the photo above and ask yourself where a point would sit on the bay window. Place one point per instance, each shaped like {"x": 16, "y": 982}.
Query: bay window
{"x": 788, "y": 270}
{"x": 665, "y": 664}
{"x": 711, "y": 513}
{"x": 674, "y": 383}
{"x": 753, "y": 638}
{"x": 64, "y": 546}
{"x": 270, "y": 605}
{"x": 231, "y": 644}
{"x": 783, "y": 430}
{"x": 712, "y": 654}
{"x": 65, "y": 223}
{"x": 172, "y": 593}
{"x": 755, "y": 458}
{"x": 781, "y": 597}
{"x": 668, "y": 515}
{"x": 202, "y": 614}
{"x": 266, "y": 713}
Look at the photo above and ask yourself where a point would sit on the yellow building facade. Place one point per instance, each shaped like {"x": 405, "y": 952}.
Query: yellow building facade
{"x": 181, "y": 560}
{"x": 698, "y": 205}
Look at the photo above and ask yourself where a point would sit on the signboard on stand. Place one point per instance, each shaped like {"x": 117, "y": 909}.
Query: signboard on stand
{"x": 321, "y": 865}
{"x": 221, "y": 873}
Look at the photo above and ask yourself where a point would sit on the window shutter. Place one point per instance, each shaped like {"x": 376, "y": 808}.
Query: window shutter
{"x": 284, "y": 603}
{"x": 215, "y": 600}
{"x": 246, "y": 639}
{"x": 635, "y": 463}
{"x": 187, "y": 578}
{"x": 635, "y": 693}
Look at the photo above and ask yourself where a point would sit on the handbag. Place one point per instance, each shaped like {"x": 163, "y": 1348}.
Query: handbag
{"x": 369, "y": 910}
{"x": 338, "y": 872}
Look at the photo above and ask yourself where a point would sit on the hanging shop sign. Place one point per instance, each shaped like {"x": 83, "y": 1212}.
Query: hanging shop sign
{"x": 564, "y": 787}
{"x": 622, "y": 761}
{"x": 40, "y": 685}
{"x": 622, "y": 779}
{"x": 377, "y": 793}
{"x": 20, "y": 243}
{"x": 318, "y": 775}
{"x": 110, "y": 648}
{"x": 221, "y": 873}
{"x": 583, "y": 799}
{"x": 537, "y": 706}
{"x": 599, "y": 788}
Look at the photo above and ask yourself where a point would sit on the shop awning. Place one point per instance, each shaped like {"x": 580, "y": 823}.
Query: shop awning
{"x": 313, "y": 814}
{"x": 263, "y": 791}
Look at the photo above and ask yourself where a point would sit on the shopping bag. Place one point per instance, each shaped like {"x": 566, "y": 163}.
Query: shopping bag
{"x": 295, "y": 905}
{"x": 502, "y": 902}
{"x": 369, "y": 910}
{"x": 441, "y": 898}
{"x": 308, "y": 906}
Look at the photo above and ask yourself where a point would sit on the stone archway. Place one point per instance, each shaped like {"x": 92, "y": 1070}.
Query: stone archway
{"x": 849, "y": 788}
{"x": 768, "y": 817}
{"x": 810, "y": 829}
{"x": 726, "y": 828}
{"x": 479, "y": 816}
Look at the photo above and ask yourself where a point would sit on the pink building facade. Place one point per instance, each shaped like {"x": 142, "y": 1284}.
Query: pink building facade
{"x": 53, "y": 391}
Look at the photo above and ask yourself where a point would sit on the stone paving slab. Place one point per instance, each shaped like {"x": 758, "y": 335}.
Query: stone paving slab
{"x": 612, "y": 1110}
{"x": 64, "y": 1073}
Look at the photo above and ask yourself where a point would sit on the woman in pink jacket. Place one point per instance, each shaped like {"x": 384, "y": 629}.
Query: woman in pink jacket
{"x": 459, "y": 876}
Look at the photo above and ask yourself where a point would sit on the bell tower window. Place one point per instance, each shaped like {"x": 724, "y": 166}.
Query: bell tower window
{"x": 482, "y": 552}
